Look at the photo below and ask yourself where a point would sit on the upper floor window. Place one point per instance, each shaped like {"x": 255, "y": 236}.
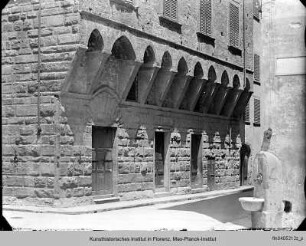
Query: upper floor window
{"x": 256, "y": 8}
{"x": 256, "y": 68}
{"x": 246, "y": 114}
{"x": 205, "y": 17}
{"x": 170, "y": 9}
{"x": 256, "y": 112}
{"x": 233, "y": 25}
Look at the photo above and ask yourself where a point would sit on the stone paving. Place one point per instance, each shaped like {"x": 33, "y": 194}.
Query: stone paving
{"x": 149, "y": 218}
{"x": 197, "y": 214}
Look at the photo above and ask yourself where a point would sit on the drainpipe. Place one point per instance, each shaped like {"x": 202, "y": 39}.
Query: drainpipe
{"x": 38, "y": 71}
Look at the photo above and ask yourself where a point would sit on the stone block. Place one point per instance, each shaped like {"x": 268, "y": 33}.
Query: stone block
{"x": 44, "y": 193}
{"x": 27, "y": 130}
{"x": 48, "y": 41}
{"x": 47, "y": 169}
{"x": 61, "y": 30}
{"x": 68, "y": 182}
{"x": 87, "y": 191}
{"x": 26, "y": 110}
{"x": 124, "y": 168}
{"x": 68, "y": 38}
{"x": 85, "y": 180}
{"x": 48, "y": 150}
{"x": 33, "y": 169}
{"x": 40, "y": 182}
{"x": 52, "y": 21}
{"x": 13, "y": 17}
{"x": 27, "y": 25}
{"x": 88, "y": 169}
{"x": 78, "y": 192}
{"x": 72, "y": 19}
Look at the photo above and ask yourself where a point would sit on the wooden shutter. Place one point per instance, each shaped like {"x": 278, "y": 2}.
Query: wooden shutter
{"x": 257, "y": 68}
{"x": 234, "y": 25}
{"x": 247, "y": 113}
{"x": 205, "y": 17}
{"x": 170, "y": 9}
{"x": 256, "y": 111}
{"x": 256, "y": 7}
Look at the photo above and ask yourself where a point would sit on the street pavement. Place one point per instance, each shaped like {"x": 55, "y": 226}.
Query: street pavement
{"x": 221, "y": 213}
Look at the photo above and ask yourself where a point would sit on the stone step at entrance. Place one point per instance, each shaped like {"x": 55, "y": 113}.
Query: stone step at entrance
{"x": 198, "y": 190}
{"x": 161, "y": 192}
{"x": 101, "y": 199}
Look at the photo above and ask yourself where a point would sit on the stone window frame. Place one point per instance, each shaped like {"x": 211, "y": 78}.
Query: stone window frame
{"x": 125, "y": 4}
{"x": 166, "y": 20}
{"x": 204, "y": 35}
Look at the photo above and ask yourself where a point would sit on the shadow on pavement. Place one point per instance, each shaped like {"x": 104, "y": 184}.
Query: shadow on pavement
{"x": 225, "y": 208}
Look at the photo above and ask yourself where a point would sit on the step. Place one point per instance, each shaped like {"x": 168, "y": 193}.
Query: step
{"x": 162, "y": 194}
{"x": 106, "y": 199}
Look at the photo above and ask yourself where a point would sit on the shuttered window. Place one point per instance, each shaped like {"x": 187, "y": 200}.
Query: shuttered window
{"x": 234, "y": 25}
{"x": 256, "y": 111}
{"x": 256, "y": 7}
{"x": 170, "y": 9}
{"x": 246, "y": 115}
{"x": 205, "y": 17}
{"x": 257, "y": 68}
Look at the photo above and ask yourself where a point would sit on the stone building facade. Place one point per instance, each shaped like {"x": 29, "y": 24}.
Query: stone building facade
{"x": 283, "y": 75}
{"x": 124, "y": 99}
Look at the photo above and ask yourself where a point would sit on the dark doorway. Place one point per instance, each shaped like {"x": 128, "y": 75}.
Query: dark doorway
{"x": 102, "y": 160}
{"x": 245, "y": 153}
{"x": 196, "y": 161}
{"x": 159, "y": 159}
{"x": 211, "y": 173}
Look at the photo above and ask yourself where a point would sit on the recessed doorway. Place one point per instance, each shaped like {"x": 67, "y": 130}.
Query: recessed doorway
{"x": 102, "y": 159}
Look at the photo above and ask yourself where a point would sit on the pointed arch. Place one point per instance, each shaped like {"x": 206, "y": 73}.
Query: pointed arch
{"x": 95, "y": 41}
{"x": 198, "y": 71}
{"x": 212, "y": 77}
{"x": 123, "y": 49}
{"x": 182, "y": 67}
{"x": 236, "y": 82}
{"x": 149, "y": 55}
{"x": 224, "y": 79}
{"x": 166, "y": 61}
